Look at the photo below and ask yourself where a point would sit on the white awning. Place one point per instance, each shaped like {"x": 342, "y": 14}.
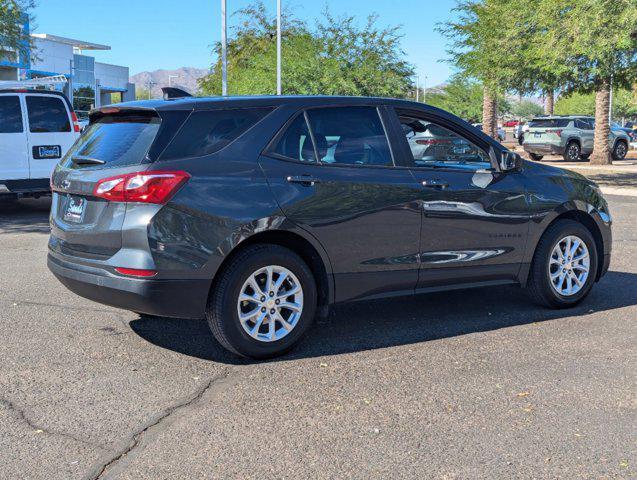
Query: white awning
{"x": 34, "y": 82}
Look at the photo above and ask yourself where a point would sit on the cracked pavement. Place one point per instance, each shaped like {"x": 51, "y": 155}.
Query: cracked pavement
{"x": 468, "y": 384}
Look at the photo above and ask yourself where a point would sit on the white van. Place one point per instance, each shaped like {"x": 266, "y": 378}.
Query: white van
{"x": 37, "y": 127}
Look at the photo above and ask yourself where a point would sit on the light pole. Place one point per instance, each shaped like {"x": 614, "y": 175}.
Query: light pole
{"x": 424, "y": 90}
{"x": 170, "y": 79}
{"x": 224, "y": 47}
{"x": 278, "y": 47}
{"x": 417, "y": 88}
{"x": 610, "y": 102}
{"x": 150, "y": 84}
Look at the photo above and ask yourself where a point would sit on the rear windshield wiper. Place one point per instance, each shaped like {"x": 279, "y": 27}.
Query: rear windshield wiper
{"x": 81, "y": 160}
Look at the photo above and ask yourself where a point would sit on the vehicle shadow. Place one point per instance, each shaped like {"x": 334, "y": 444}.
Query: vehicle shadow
{"x": 400, "y": 321}
{"x": 25, "y": 216}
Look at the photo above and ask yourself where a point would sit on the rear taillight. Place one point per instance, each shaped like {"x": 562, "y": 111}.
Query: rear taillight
{"x": 143, "y": 187}
{"x": 558, "y": 133}
{"x": 76, "y": 125}
{"x": 136, "y": 272}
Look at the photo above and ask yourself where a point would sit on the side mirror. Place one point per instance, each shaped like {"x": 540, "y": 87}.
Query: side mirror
{"x": 510, "y": 161}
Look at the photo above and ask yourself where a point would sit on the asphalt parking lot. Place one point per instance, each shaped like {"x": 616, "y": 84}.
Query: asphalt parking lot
{"x": 466, "y": 384}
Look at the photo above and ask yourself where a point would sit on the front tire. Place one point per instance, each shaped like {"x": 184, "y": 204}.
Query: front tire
{"x": 620, "y": 150}
{"x": 572, "y": 152}
{"x": 263, "y": 302}
{"x": 564, "y": 265}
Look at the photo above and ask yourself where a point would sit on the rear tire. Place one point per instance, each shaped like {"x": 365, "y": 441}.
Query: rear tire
{"x": 620, "y": 150}
{"x": 536, "y": 157}
{"x": 253, "y": 337}
{"x": 572, "y": 152}
{"x": 540, "y": 286}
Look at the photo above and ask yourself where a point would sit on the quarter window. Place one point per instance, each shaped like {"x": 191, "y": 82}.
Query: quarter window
{"x": 10, "y": 114}
{"x": 207, "y": 132}
{"x": 435, "y": 146}
{"x": 350, "y": 136}
{"x": 47, "y": 115}
{"x": 296, "y": 142}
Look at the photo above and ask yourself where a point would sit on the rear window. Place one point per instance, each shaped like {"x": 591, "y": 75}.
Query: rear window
{"x": 117, "y": 140}
{"x": 549, "y": 123}
{"x": 207, "y": 132}
{"x": 47, "y": 114}
{"x": 10, "y": 114}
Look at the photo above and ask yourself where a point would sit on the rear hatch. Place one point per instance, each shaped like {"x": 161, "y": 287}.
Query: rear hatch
{"x": 546, "y": 130}
{"x": 116, "y": 142}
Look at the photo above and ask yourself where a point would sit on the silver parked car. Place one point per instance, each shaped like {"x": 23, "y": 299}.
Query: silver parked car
{"x": 500, "y": 131}
{"x": 569, "y": 136}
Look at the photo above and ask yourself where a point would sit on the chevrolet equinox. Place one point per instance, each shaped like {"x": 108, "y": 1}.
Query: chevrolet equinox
{"x": 258, "y": 213}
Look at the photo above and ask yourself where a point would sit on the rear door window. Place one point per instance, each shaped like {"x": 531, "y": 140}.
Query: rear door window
{"x": 350, "y": 136}
{"x": 10, "y": 114}
{"x": 207, "y": 132}
{"x": 47, "y": 114}
{"x": 116, "y": 140}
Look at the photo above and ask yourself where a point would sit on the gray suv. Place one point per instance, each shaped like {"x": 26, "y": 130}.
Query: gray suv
{"x": 569, "y": 136}
{"x": 258, "y": 213}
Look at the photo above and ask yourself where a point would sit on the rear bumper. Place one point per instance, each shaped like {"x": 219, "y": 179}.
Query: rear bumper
{"x": 543, "y": 148}
{"x": 167, "y": 298}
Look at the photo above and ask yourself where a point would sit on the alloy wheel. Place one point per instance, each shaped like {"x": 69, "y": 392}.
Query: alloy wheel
{"x": 573, "y": 152}
{"x": 569, "y": 265}
{"x": 270, "y": 303}
{"x": 620, "y": 151}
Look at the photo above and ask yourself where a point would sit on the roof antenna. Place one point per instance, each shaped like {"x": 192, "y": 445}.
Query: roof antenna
{"x": 171, "y": 93}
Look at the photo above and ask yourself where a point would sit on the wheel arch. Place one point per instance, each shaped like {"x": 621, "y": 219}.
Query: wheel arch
{"x": 618, "y": 141}
{"x": 312, "y": 255}
{"x": 587, "y": 220}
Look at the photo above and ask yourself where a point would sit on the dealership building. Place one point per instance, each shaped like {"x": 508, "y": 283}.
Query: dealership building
{"x": 89, "y": 84}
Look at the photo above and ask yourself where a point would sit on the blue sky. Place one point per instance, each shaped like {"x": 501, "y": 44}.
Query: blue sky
{"x": 153, "y": 34}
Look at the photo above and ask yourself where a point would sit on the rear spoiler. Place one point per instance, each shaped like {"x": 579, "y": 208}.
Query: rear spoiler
{"x": 171, "y": 93}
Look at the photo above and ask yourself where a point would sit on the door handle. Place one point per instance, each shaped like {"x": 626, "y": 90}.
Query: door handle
{"x": 305, "y": 180}
{"x": 439, "y": 184}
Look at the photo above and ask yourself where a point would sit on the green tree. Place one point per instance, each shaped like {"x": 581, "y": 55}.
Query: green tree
{"x": 464, "y": 97}
{"x": 486, "y": 47}
{"x": 13, "y": 36}
{"x": 461, "y": 97}
{"x": 597, "y": 40}
{"x": 336, "y": 57}
{"x": 526, "y": 109}
{"x": 575, "y": 103}
{"x": 624, "y": 104}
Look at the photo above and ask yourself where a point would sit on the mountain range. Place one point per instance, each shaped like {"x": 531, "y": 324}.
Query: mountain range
{"x": 185, "y": 77}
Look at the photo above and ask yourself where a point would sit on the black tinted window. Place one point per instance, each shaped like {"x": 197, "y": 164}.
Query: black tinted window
{"x": 206, "y": 132}
{"x": 549, "y": 123}
{"x": 350, "y": 136}
{"x": 296, "y": 142}
{"x": 47, "y": 114}
{"x": 434, "y": 145}
{"x": 116, "y": 140}
{"x": 10, "y": 114}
